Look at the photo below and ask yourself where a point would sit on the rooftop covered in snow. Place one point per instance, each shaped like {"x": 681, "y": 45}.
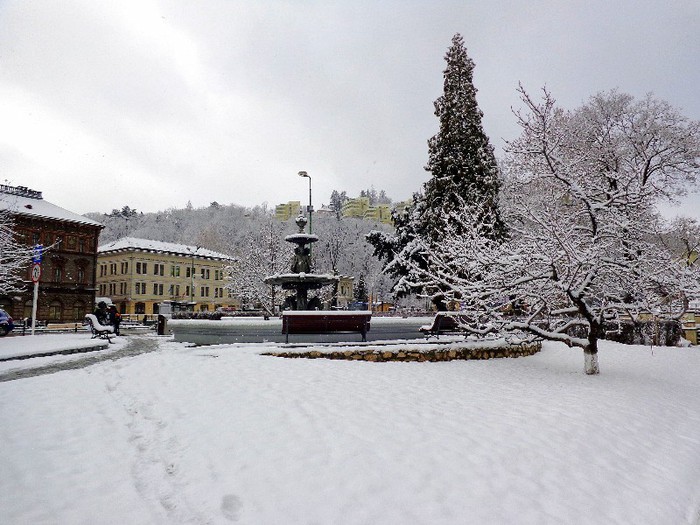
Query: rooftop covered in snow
{"x": 20, "y": 200}
{"x": 126, "y": 244}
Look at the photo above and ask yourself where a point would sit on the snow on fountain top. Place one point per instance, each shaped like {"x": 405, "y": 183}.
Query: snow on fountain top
{"x": 301, "y": 237}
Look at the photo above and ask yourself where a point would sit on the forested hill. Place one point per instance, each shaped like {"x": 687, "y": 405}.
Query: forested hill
{"x": 236, "y": 230}
{"x": 216, "y": 227}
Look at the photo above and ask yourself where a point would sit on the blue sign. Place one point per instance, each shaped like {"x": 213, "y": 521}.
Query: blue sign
{"x": 38, "y": 253}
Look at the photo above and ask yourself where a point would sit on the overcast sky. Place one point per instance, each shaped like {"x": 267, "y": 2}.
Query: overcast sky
{"x": 152, "y": 104}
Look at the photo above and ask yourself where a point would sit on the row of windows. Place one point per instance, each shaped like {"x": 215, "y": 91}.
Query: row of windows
{"x": 57, "y": 311}
{"x": 173, "y": 290}
{"x": 57, "y": 274}
{"x": 158, "y": 269}
{"x": 57, "y": 241}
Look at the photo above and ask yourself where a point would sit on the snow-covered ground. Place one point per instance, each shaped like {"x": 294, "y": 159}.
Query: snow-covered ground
{"x": 222, "y": 434}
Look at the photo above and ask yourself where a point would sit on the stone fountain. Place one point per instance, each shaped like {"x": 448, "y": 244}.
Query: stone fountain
{"x": 301, "y": 277}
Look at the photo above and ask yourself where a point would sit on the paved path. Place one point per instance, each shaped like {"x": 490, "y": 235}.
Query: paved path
{"x": 137, "y": 344}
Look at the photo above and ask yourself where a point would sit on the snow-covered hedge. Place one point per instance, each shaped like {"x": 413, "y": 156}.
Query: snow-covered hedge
{"x": 657, "y": 333}
{"x": 211, "y": 316}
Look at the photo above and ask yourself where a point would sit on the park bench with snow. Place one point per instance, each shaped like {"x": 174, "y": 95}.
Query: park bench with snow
{"x": 325, "y": 322}
{"x": 99, "y": 330}
{"x": 444, "y": 323}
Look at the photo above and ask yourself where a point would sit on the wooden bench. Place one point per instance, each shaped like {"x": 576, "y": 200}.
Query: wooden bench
{"x": 444, "y": 323}
{"x": 99, "y": 330}
{"x": 322, "y": 322}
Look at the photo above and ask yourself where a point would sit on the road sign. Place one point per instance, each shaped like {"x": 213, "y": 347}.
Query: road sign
{"x": 38, "y": 253}
{"x": 36, "y": 272}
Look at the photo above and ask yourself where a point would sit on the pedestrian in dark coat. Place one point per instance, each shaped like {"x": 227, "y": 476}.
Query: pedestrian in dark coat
{"x": 115, "y": 318}
{"x": 101, "y": 313}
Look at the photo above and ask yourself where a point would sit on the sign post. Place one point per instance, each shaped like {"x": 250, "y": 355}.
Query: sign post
{"x": 36, "y": 275}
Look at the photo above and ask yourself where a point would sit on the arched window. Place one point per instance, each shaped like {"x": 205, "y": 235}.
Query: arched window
{"x": 27, "y": 314}
{"x": 78, "y": 310}
{"x": 55, "y": 310}
{"x": 140, "y": 308}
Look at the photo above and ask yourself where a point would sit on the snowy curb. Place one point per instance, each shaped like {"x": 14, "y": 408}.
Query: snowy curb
{"x": 445, "y": 354}
{"x": 76, "y": 350}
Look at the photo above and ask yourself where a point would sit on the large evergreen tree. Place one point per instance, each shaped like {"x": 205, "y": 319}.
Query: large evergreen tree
{"x": 464, "y": 174}
{"x": 461, "y": 159}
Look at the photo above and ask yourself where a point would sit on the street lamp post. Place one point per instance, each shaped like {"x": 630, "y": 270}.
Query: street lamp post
{"x": 310, "y": 209}
{"x": 193, "y": 253}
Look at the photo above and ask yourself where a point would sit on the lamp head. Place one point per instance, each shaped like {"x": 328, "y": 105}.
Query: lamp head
{"x": 303, "y": 174}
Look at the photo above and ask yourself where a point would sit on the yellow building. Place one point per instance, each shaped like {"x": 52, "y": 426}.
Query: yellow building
{"x": 139, "y": 274}
{"x": 360, "y": 208}
{"x": 356, "y": 208}
{"x": 284, "y": 212}
{"x": 379, "y": 213}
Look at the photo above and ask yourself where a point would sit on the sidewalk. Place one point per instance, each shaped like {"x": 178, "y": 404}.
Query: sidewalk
{"x": 15, "y": 346}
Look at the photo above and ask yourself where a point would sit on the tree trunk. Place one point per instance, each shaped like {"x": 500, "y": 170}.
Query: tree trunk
{"x": 590, "y": 355}
{"x": 590, "y": 351}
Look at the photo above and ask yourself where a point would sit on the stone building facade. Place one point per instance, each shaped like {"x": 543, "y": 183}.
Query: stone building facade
{"x": 68, "y": 267}
{"x": 138, "y": 275}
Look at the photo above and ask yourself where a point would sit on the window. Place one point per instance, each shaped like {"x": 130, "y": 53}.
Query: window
{"x": 78, "y": 310}
{"x": 205, "y": 273}
{"x": 55, "y": 310}
{"x": 125, "y": 268}
{"x": 57, "y": 274}
{"x": 81, "y": 275}
{"x": 81, "y": 245}
{"x": 177, "y": 290}
{"x": 140, "y": 308}
{"x": 189, "y": 271}
{"x": 158, "y": 269}
{"x": 187, "y": 291}
{"x": 35, "y": 238}
{"x": 141, "y": 267}
{"x": 157, "y": 289}
{"x": 204, "y": 291}
{"x": 112, "y": 268}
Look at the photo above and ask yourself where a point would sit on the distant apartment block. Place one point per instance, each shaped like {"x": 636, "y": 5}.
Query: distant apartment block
{"x": 360, "y": 208}
{"x": 284, "y": 212}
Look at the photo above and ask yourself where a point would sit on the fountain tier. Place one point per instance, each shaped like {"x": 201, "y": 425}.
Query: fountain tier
{"x": 301, "y": 278}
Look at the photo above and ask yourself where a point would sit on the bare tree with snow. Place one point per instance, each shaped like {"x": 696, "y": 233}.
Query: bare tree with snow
{"x": 257, "y": 256}
{"x": 579, "y": 202}
{"x": 14, "y": 256}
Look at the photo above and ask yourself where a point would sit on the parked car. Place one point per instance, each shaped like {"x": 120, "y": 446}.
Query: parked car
{"x": 6, "y": 323}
